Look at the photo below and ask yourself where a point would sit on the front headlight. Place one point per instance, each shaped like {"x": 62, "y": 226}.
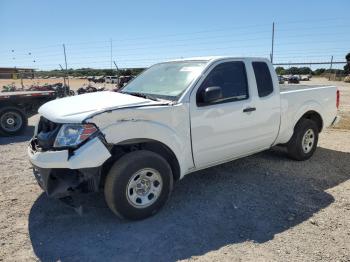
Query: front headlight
{"x": 71, "y": 135}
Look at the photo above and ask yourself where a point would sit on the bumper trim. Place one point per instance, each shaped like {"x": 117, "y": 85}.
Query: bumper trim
{"x": 91, "y": 154}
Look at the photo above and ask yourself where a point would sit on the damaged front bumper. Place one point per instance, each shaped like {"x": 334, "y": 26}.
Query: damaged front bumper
{"x": 59, "y": 183}
{"x": 60, "y": 173}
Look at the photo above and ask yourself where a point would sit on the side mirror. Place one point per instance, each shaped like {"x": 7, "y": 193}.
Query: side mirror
{"x": 212, "y": 94}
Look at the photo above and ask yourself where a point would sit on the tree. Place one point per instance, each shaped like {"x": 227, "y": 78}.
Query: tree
{"x": 319, "y": 71}
{"x": 347, "y": 57}
{"x": 347, "y": 66}
{"x": 109, "y": 72}
{"x": 305, "y": 70}
{"x": 292, "y": 71}
{"x": 280, "y": 70}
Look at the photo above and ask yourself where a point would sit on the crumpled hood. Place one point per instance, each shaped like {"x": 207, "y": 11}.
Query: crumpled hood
{"x": 75, "y": 109}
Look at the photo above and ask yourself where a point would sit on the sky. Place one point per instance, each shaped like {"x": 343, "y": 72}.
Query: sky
{"x": 141, "y": 33}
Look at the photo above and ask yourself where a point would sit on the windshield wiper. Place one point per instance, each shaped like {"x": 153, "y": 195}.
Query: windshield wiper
{"x": 141, "y": 95}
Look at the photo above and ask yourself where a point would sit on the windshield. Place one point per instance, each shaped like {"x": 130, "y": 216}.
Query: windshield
{"x": 166, "y": 80}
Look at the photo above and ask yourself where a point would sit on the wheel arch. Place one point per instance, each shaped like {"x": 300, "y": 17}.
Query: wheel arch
{"x": 130, "y": 145}
{"x": 314, "y": 116}
{"x": 311, "y": 111}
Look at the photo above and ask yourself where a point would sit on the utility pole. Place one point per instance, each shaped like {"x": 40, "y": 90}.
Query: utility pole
{"x": 64, "y": 75}
{"x": 116, "y": 66}
{"x": 21, "y": 80}
{"x": 65, "y": 61}
{"x": 111, "y": 53}
{"x": 118, "y": 83}
{"x": 272, "y": 41}
{"x": 330, "y": 68}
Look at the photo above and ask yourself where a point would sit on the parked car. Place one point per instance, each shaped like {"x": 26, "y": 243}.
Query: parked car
{"x": 90, "y": 78}
{"x": 280, "y": 80}
{"x": 123, "y": 80}
{"x": 293, "y": 79}
{"x": 286, "y": 77}
{"x": 347, "y": 79}
{"x": 96, "y": 79}
{"x": 304, "y": 77}
{"x": 175, "y": 118}
{"x": 111, "y": 79}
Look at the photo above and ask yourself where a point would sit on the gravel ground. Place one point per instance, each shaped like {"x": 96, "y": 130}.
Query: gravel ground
{"x": 264, "y": 207}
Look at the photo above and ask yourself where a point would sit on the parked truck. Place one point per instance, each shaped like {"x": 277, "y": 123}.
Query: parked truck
{"x": 175, "y": 118}
{"x": 16, "y": 107}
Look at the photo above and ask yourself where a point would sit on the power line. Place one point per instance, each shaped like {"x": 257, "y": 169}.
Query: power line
{"x": 237, "y": 28}
{"x": 80, "y": 48}
{"x": 280, "y": 45}
{"x": 187, "y": 50}
{"x": 209, "y": 46}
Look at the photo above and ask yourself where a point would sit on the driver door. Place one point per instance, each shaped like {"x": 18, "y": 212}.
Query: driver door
{"x": 222, "y": 130}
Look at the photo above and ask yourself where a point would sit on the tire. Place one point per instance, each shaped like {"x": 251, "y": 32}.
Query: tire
{"x": 303, "y": 143}
{"x": 13, "y": 115}
{"x": 123, "y": 174}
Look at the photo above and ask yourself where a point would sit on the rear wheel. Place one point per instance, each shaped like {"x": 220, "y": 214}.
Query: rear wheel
{"x": 303, "y": 143}
{"x": 138, "y": 185}
{"x": 13, "y": 121}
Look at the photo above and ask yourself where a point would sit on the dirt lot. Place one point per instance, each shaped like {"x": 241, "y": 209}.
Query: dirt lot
{"x": 260, "y": 208}
{"x": 344, "y": 89}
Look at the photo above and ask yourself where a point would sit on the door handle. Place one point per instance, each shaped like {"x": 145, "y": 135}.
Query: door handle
{"x": 249, "y": 109}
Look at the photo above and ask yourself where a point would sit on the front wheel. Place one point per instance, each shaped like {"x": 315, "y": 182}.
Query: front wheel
{"x": 303, "y": 143}
{"x": 138, "y": 185}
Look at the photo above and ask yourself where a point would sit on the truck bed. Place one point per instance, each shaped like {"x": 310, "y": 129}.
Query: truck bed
{"x": 295, "y": 87}
{"x": 297, "y": 99}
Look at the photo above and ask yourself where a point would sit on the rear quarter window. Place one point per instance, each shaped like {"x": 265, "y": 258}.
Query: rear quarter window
{"x": 263, "y": 78}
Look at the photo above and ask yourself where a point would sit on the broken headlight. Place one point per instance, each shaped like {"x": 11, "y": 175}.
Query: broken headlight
{"x": 71, "y": 135}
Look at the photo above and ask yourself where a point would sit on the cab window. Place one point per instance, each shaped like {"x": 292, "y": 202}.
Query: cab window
{"x": 231, "y": 77}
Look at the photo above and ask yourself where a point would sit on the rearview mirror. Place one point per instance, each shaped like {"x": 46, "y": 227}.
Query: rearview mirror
{"x": 212, "y": 94}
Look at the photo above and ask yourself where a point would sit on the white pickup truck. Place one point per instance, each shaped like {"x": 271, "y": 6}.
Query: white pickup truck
{"x": 175, "y": 118}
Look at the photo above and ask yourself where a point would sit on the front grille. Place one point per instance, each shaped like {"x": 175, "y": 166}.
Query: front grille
{"x": 47, "y": 132}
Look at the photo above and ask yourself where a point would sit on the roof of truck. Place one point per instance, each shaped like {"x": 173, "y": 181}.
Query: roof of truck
{"x": 210, "y": 58}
